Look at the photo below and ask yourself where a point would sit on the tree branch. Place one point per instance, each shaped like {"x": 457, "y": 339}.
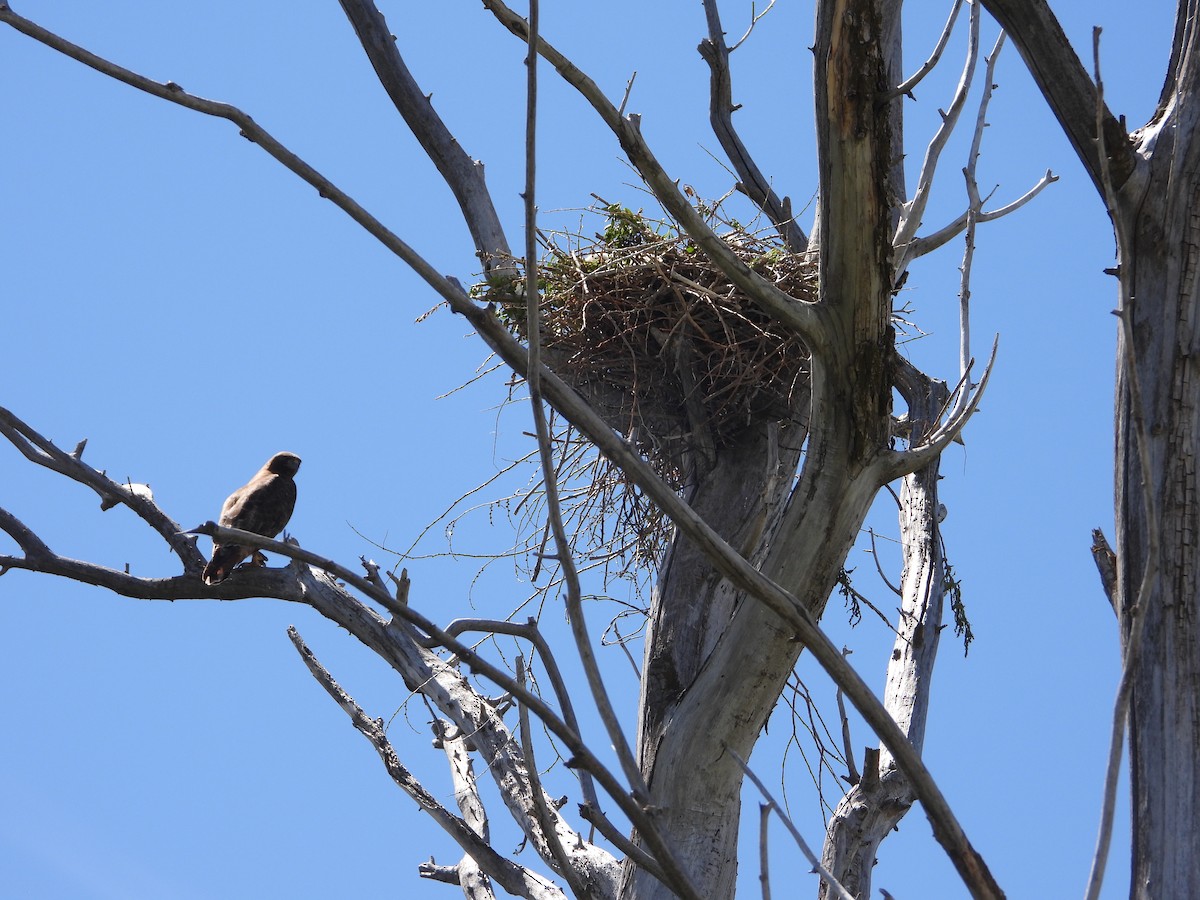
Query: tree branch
{"x": 923, "y": 245}
{"x": 39, "y": 450}
{"x": 1064, "y": 82}
{"x": 471, "y": 877}
{"x": 530, "y": 632}
{"x": 515, "y": 879}
{"x": 906, "y": 87}
{"x": 463, "y": 174}
{"x": 541, "y": 807}
{"x": 720, "y": 111}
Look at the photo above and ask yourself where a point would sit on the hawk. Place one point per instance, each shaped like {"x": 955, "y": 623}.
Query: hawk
{"x": 263, "y": 505}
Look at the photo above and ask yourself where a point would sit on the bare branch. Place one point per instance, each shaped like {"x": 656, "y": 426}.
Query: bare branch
{"x": 1064, "y": 82}
{"x": 908, "y": 84}
{"x": 903, "y": 462}
{"x": 922, "y": 245}
{"x": 515, "y": 879}
{"x": 545, "y": 819}
{"x": 463, "y": 175}
{"x": 838, "y": 891}
{"x": 533, "y": 634}
{"x": 471, "y": 877}
{"x": 39, "y": 450}
{"x": 720, "y": 111}
{"x": 764, "y": 861}
{"x": 914, "y": 210}
{"x": 35, "y": 549}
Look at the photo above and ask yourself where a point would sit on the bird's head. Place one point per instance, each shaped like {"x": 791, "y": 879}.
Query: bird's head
{"x": 283, "y": 464}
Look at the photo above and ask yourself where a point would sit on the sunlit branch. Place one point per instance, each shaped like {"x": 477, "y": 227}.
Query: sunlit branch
{"x": 541, "y": 808}
{"x": 720, "y": 110}
{"x": 908, "y": 84}
{"x": 755, "y": 18}
{"x": 914, "y": 210}
{"x": 923, "y": 245}
{"x": 530, "y": 632}
{"x": 515, "y": 879}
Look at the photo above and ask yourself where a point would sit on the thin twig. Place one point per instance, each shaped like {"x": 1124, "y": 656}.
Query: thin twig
{"x": 907, "y": 86}
{"x": 913, "y": 211}
{"x": 755, "y": 17}
{"x": 825, "y": 875}
{"x": 1133, "y": 619}
{"x": 540, "y": 807}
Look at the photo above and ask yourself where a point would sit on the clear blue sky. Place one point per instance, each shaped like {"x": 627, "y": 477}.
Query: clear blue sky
{"x": 176, "y": 297}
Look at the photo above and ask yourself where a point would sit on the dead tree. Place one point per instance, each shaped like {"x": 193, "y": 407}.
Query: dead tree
{"x": 764, "y": 507}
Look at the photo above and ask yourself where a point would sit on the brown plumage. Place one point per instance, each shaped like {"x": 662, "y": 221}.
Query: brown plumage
{"x": 263, "y": 505}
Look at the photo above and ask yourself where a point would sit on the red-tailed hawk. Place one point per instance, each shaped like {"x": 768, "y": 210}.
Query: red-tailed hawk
{"x": 263, "y": 505}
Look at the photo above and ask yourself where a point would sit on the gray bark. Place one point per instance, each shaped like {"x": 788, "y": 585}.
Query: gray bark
{"x": 872, "y": 808}
{"x": 715, "y": 665}
{"x": 1158, "y": 395}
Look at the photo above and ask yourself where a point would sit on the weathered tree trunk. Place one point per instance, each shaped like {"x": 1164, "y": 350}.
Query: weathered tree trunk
{"x": 872, "y": 807}
{"x": 715, "y": 665}
{"x": 1158, "y": 415}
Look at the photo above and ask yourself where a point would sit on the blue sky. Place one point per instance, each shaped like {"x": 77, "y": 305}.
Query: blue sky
{"x": 176, "y": 297}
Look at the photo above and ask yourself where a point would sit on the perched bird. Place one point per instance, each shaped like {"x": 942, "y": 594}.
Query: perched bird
{"x": 263, "y": 505}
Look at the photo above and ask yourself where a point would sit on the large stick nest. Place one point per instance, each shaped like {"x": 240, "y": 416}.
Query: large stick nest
{"x": 656, "y": 337}
{"x": 670, "y": 353}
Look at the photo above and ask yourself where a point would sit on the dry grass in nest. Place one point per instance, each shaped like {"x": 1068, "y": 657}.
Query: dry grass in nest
{"x": 669, "y": 352}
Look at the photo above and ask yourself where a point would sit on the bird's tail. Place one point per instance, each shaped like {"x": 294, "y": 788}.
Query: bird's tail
{"x": 223, "y": 560}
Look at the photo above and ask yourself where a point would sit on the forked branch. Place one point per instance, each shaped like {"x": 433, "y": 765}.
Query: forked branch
{"x": 720, "y": 111}
{"x": 517, "y": 880}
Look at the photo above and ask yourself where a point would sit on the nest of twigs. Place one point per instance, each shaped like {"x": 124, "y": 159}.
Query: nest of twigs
{"x": 650, "y": 331}
{"x": 666, "y": 349}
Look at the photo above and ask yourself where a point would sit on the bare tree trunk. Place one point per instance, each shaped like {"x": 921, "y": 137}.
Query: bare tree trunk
{"x": 714, "y": 665}
{"x": 883, "y": 795}
{"x": 1158, "y": 431}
